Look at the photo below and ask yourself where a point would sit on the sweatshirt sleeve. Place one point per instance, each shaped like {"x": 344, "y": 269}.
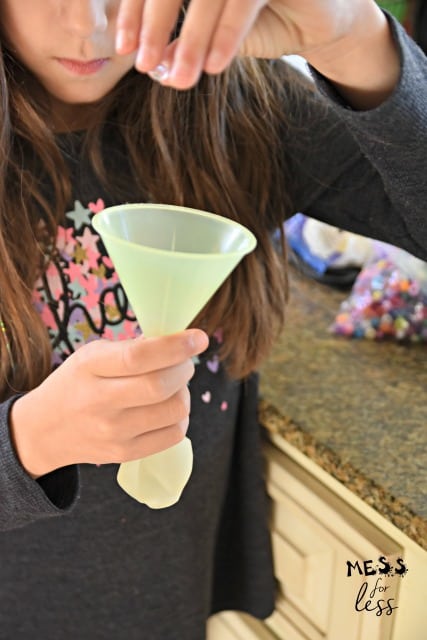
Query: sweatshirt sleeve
{"x": 365, "y": 171}
{"x": 22, "y": 499}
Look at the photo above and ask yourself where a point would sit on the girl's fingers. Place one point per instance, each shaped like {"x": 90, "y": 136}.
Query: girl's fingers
{"x": 106, "y": 359}
{"x": 234, "y": 25}
{"x": 157, "y": 26}
{"x": 149, "y": 388}
{"x": 139, "y": 420}
{"x": 128, "y": 26}
{"x": 211, "y": 35}
{"x": 201, "y": 21}
{"x": 155, "y": 441}
{"x": 161, "y": 72}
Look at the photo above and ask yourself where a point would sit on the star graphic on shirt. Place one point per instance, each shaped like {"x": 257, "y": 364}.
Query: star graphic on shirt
{"x": 100, "y": 272}
{"x": 112, "y": 313}
{"x": 114, "y": 331}
{"x": 79, "y": 215}
{"x": 88, "y": 241}
{"x": 80, "y": 254}
{"x": 85, "y": 329}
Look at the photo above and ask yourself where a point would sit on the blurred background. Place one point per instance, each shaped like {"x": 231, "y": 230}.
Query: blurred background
{"x": 413, "y": 15}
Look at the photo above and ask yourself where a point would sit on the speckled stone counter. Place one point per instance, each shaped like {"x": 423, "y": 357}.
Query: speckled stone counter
{"x": 357, "y": 408}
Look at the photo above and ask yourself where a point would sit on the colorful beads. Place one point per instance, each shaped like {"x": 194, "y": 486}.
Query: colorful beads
{"x": 384, "y": 303}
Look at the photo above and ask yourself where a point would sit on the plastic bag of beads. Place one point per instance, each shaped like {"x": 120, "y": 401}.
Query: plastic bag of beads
{"x": 388, "y": 299}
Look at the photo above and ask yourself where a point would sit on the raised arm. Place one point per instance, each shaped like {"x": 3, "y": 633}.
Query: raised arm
{"x": 365, "y": 170}
{"x": 349, "y": 42}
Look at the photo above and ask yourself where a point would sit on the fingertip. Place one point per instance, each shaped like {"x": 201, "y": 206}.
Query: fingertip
{"x": 120, "y": 41}
{"x": 126, "y": 42}
{"x": 215, "y": 62}
{"x": 198, "y": 340}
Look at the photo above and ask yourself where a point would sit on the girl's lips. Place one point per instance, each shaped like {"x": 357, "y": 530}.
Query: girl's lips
{"x": 83, "y": 68}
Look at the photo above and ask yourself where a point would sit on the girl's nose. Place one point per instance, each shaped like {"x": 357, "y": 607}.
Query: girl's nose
{"x": 84, "y": 18}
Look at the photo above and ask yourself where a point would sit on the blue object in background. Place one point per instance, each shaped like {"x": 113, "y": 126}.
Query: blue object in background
{"x": 294, "y": 235}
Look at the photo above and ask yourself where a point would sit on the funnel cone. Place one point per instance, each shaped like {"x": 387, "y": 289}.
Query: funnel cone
{"x": 170, "y": 261}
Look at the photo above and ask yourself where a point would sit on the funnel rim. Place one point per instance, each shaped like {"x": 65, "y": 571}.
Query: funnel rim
{"x": 252, "y": 241}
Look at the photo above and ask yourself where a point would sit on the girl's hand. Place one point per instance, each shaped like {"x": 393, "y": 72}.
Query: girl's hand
{"x": 109, "y": 402}
{"x": 215, "y": 31}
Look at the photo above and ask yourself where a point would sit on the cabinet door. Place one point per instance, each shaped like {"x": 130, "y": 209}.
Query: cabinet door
{"x": 314, "y": 537}
{"x": 231, "y": 625}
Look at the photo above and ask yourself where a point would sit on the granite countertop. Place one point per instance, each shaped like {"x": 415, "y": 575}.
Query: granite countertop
{"x": 356, "y": 407}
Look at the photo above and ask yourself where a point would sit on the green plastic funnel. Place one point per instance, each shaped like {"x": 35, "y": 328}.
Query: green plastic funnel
{"x": 170, "y": 261}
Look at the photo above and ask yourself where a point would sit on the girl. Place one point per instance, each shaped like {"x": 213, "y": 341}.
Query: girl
{"x": 101, "y": 103}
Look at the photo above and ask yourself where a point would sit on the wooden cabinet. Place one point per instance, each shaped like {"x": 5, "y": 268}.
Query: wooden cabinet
{"x": 312, "y": 542}
{"x": 317, "y": 527}
{"x": 238, "y": 626}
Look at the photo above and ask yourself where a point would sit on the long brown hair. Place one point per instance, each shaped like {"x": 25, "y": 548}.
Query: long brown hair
{"x": 216, "y": 147}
